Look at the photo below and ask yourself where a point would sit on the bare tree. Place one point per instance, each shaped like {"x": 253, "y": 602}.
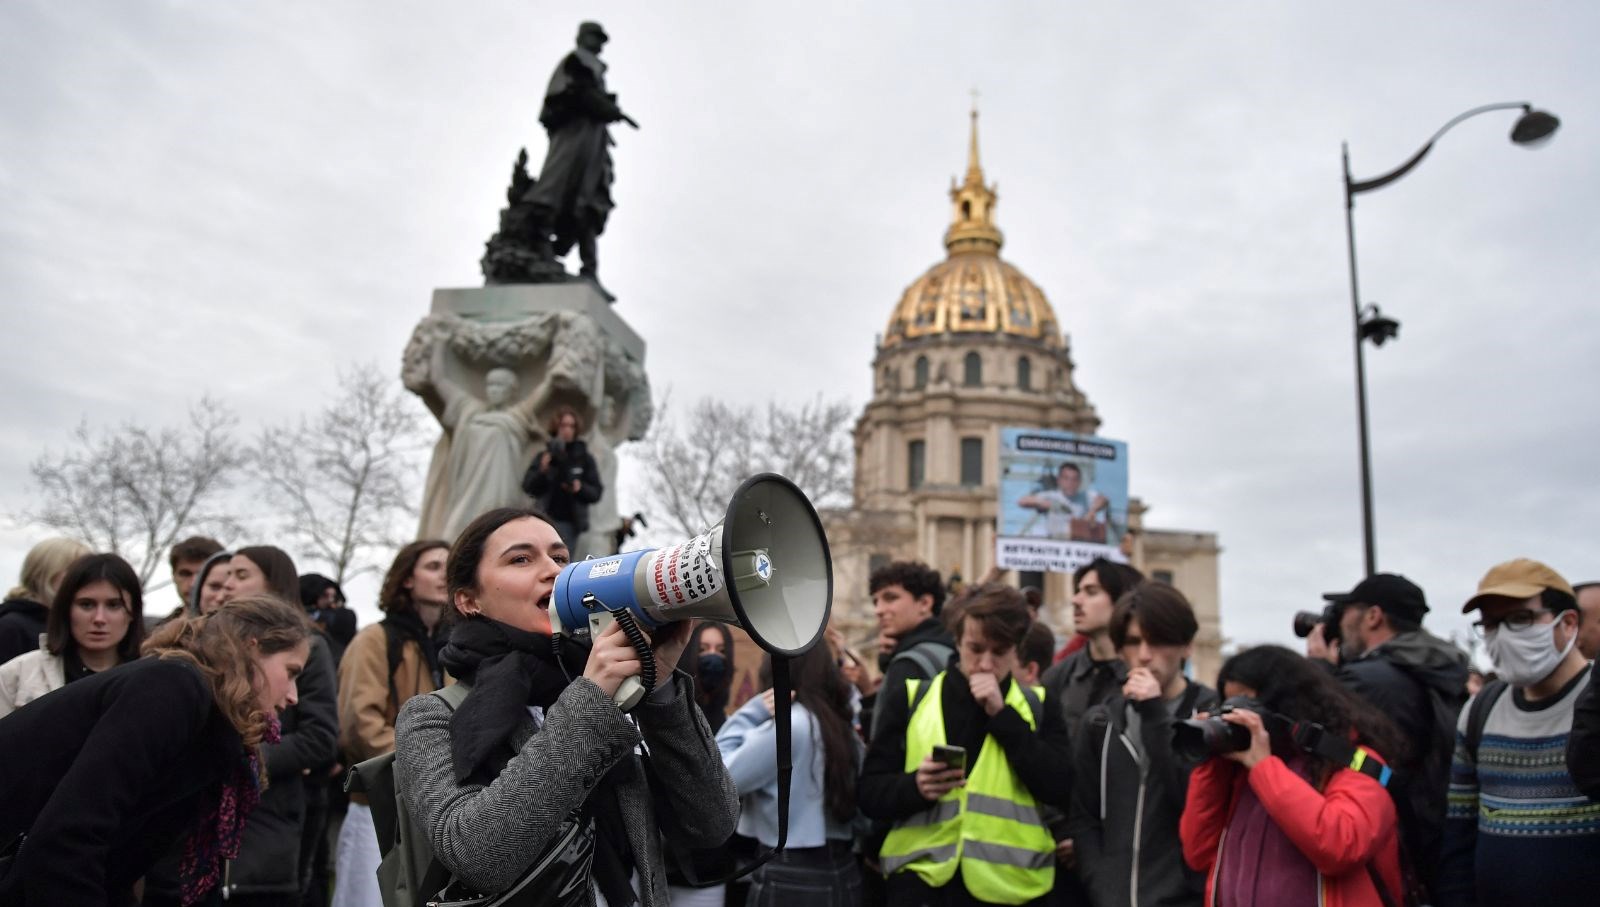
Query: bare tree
{"x": 694, "y": 466}
{"x": 135, "y": 490}
{"x": 343, "y": 480}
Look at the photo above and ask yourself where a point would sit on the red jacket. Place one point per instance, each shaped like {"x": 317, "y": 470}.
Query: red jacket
{"x": 1339, "y": 829}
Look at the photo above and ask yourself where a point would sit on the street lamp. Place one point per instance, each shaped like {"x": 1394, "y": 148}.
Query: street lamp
{"x": 1533, "y": 128}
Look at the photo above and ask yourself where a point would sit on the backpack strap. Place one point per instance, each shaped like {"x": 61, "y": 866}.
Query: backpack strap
{"x": 1478, "y": 715}
{"x": 453, "y": 695}
{"x": 930, "y": 656}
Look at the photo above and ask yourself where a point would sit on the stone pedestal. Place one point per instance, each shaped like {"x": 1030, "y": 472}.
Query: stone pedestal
{"x": 565, "y": 346}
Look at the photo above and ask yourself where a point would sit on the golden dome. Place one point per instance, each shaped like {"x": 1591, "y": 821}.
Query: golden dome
{"x": 973, "y": 290}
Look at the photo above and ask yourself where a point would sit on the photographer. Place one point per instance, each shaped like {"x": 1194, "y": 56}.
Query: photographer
{"x": 564, "y": 480}
{"x": 1301, "y": 824}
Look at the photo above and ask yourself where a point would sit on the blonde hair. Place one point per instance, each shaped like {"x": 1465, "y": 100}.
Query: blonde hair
{"x": 219, "y": 644}
{"x": 46, "y": 562}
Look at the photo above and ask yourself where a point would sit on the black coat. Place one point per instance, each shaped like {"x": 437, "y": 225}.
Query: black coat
{"x": 104, "y": 776}
{"x": 1420, "y": 683}
{"x": 1106, "y": 822}
{"x": 1583, "y": 746}
{"x": 269, "y": 855}
{"x": 21, "y": 625}
{"x": 548, "y": 486}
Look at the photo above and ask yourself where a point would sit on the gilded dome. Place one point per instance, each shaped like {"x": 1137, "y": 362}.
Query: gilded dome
{"x": 973, "y": 290}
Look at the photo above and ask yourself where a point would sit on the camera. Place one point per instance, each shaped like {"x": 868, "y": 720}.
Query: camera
{"x": 1306, "y": 621}
{"x": 1197, "y": 738}
{"x": 566, "y": 459}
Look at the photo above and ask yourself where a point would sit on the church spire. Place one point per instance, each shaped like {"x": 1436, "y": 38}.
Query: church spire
{"x": 972, "y": 226}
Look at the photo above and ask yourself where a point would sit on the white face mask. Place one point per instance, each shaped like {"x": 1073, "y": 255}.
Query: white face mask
{"x": 1527, "y": 656}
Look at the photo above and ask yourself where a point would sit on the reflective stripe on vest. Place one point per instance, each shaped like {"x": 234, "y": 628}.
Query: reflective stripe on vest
{"x": 990, "y": 829}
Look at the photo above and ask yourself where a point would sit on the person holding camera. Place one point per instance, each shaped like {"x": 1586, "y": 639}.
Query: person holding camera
{"x": 961, "y": 765}
{"x": 1125, "y": 757}
{"x": 1290, "y": 807}
{"x": 564, "y": 480}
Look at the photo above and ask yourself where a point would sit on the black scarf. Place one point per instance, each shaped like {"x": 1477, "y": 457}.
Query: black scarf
{"x": 510, "y": 669}
{"x": 408, "y": 625}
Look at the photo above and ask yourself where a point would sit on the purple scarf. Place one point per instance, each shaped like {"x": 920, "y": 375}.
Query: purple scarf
{"x": 1260, "y": 865}
{"x": 217, "y": 836}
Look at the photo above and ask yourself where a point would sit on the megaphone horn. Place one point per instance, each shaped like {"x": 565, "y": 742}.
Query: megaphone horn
{"x": 765, "y": 567}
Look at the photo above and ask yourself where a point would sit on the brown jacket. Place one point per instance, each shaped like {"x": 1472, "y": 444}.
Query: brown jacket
{"x": 366, "y": 710}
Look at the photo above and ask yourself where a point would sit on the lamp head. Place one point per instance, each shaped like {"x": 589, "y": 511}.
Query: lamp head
{"x": 1534, "y": 127}
{"x": 1377, "y": 327}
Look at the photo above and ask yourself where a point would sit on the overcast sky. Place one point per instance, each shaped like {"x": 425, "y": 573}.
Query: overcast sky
{"x": 237, "y": 198}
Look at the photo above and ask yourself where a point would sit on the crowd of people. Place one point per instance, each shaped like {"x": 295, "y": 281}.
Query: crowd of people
{"x": 196, "y": 755}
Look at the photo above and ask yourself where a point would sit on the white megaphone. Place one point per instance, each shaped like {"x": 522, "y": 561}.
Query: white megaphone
{"x": 765, "y": 567}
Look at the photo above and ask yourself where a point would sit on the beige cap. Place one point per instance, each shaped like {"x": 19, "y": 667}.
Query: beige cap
{"x": 1521, "y": 578}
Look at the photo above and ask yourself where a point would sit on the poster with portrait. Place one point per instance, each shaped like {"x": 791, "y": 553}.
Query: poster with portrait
{"x": 1063, "y": 499}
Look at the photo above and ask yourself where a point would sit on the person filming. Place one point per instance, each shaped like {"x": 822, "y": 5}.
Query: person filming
{"x": 564, "y": 480}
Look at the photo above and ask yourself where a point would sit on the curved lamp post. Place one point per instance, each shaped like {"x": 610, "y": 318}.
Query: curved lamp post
{"x": 1533, "y": 128}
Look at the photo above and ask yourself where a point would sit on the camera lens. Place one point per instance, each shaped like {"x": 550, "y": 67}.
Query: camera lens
{"x": 1305, "y": 622}
{"x": 1196, "y": 739}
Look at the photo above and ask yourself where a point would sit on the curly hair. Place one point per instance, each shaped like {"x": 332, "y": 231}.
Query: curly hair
{"x": 1291, "y": 685}
{"x": 917, "y": 578}
{"x": 393, "y": 596}
{"x": 220, "y": 645}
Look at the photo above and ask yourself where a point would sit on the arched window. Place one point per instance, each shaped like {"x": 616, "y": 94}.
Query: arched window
{"x": 920, "y": 372}
{"x": 1024, "y": 373}
{"x": 973, "y": 370}
{"x": 966, "y": 210}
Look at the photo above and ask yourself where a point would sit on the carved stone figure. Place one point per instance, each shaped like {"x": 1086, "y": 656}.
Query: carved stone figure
{"x": 569, "y": 202}
{"x": 490, "y": 438}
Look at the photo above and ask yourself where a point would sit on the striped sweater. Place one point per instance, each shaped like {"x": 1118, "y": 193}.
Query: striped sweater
{"x": 1517, "y": 830}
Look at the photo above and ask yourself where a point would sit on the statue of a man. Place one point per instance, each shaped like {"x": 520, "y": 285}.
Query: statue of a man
{"x": 488, "y": 441}
{"x": 572, "y": 196}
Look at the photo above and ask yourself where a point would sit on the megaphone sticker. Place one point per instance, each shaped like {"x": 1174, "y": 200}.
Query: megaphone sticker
{"x": 686, "y": 573}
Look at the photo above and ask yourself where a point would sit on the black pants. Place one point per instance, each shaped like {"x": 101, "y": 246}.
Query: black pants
{"x": 827, "y": 876}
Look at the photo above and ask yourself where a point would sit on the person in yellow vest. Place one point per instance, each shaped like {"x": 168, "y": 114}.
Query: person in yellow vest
{"x": 972, "y": 834}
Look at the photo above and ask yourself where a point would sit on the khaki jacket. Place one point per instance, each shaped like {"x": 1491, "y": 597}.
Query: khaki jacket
{"x": 366, "y": 710}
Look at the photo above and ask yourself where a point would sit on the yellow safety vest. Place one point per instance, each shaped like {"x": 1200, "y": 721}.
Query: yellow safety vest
{"x": 990, "y": 828}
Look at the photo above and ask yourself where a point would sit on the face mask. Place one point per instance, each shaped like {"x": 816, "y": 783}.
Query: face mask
{"x": 1527, "y": 656}
{"x": 713, "y": 671}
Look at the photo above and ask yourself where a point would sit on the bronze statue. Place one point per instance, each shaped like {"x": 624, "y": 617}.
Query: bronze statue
{"x": 569, "y": 202}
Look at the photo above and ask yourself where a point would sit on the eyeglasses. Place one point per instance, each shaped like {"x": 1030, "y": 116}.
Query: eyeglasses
{"x": 1521, "y": 619}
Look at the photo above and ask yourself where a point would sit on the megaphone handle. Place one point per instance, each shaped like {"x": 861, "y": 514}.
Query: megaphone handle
{"x": 632, "y": 689}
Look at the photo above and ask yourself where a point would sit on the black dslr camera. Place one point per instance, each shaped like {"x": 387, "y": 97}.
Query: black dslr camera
{"x": 1197, "y": 738}
{"x": 1306, "y": 621}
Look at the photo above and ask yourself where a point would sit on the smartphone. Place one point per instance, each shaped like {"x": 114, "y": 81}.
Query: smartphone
{"x": 951, "y": 756}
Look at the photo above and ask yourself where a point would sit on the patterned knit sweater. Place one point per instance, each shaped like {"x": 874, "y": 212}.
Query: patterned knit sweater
{"x": 1517, "y": 830}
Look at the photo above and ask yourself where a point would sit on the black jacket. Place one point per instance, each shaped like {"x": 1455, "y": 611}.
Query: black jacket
{"x": 1078, "y": 683}
{"x": 104, "y": 776}
{"x": 548, "y": 486}
{"x": 1120, "y": 810}
{"x": 1042, "y": 760}
{"x": 269, "y": 855}
{"x": 1583, "y": 746}
{"x": 898, "y": 666}
{"x": 21, "y": 625}
{"x": 1420, "y": 682}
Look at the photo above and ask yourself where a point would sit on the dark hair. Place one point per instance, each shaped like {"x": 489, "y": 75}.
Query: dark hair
{"x": 393, "y": 596}
{"x": 710, "y": 701}
{"x": 1072, "y": 466}
{"x": 1117, "y": 579}
{"x": 1557, "y": 601}
{"x": 192, "y": 606}
{"x": 1289, "y": 684}
{"x": 1039, "y": 646}
{"x": 93, "y": 568}
{"x": 278, "y": 567}
{"x": 915, "y": 577}
{"x": 1577, "y": 590}
{"x": 1165, "y": 617}
{"x": 312, "y": 585}
{"x": 820, "y": 687}
{"x": 461, "y": 570}
{"x": 1002, "y": 613}
{"x": 1034, "y": 597}
{"x": 193, "y": 548}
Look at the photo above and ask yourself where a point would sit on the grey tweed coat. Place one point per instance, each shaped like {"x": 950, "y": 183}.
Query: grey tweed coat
{"x": 487, "y": 836}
